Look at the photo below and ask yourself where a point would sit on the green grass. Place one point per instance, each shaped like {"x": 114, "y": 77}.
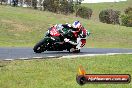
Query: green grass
{"x": 22, "y": 27}
{"x": 61, "y": 73}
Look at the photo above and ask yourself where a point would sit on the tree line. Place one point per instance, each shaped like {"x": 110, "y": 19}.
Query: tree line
{"x": 66, "y": 7}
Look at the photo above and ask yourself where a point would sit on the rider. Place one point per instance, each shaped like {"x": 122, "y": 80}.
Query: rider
{"x": 79, "y": 32}
{"x": 76, "y": 28}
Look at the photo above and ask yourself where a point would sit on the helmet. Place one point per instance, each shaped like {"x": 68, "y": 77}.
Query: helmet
{"x": 76, "y": 25}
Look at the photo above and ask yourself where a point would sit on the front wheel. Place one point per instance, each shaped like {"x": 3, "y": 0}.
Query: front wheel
{"x": 39, "y": 47}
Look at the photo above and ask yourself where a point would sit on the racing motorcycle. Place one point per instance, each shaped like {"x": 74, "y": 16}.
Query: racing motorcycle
{"x": 54, "y": 41}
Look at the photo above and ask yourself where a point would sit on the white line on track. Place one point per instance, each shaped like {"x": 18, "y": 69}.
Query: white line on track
{"x": 51, "y": 56}
{"x": 8, "y": 59}
{"x": 68, "y": 56}
{"x": 37, "y": 57}
{"x": 23, "y": 59}
{"x": 86, "y": 55}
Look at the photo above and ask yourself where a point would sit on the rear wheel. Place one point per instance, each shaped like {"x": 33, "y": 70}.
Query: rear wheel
{"x": 76, "y": 51}
{"x": 39, "y": 47}
{"x": 72, "y": 50}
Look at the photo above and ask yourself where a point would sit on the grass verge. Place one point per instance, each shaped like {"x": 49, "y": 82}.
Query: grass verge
{"x": 61, "y": 73}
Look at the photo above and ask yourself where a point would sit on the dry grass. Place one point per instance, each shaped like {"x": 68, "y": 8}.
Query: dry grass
{"x": 18, "y": 27}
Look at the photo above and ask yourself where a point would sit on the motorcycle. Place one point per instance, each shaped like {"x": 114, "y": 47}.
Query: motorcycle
{"x": 54, "y": 41}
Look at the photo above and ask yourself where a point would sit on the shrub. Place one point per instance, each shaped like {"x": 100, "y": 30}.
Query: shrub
{"x": 84, "y": 12}
{"x": 127, "y": 20}
{"x": 109, "y": 16}
{"x": 128, "y": 10}
{"x": 50, "y": 5}
{"x": 34, "y": 4}
{"x": 66, "y": 7}
{"x": 127, "y": 17}
{"x": 58, "y": 6}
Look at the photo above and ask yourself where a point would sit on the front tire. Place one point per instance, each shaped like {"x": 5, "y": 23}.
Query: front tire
{"x": 39, "y": 47}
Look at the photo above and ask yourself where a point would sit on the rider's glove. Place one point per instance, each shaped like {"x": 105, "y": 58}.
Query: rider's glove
{"x": 88, "y": 33}
{"x": 69, "y": 25}
{"x": 66, "y": 40}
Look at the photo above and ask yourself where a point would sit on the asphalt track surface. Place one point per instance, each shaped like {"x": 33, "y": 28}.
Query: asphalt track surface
{"x": 17, "y": 53}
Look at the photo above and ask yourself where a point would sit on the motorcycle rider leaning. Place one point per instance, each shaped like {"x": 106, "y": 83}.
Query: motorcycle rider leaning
{"x": 79, "y": 32}
{"x": 75, "y": 29}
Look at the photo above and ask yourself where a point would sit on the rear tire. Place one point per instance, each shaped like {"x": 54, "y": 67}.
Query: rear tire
{"x": 76, "y": 51}
{"x": 39, "y": 47}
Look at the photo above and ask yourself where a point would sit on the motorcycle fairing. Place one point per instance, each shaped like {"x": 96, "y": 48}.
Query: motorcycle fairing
{"x": 54, "y": 32}
{"x": 83, "y": 42}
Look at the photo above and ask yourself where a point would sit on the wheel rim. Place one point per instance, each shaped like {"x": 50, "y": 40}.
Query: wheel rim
{"x": 38, "y": 48}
